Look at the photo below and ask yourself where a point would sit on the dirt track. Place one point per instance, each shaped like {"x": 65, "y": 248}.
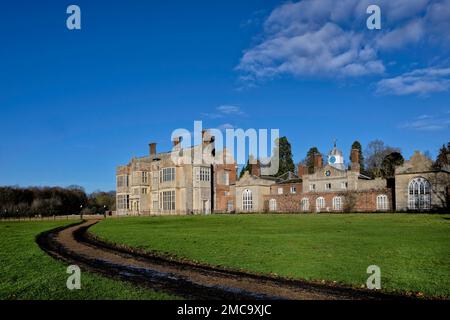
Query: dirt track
{"x": 191, "y": 281}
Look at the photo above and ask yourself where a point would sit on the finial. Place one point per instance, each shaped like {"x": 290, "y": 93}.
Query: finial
{"x": 335, "y": 141}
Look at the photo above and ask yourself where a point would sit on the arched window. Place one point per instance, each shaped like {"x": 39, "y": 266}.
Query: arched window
{"x": 419, "y": 194}
{"x": 382, "y": 202}
{"x": 320, "y": 204}
{"x": 247, "y": 200}
{"x": 273, "y": 205}
{"x": 337, "y": 203}
{"x": 305, "y": 204}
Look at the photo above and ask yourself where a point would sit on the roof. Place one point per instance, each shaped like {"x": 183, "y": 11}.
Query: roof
{"x": 364, "y": 177}
{"x": 288, "y": 177}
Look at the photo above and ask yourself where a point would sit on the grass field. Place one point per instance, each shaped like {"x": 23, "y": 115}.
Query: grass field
{"x": 26, "y": 272}
{"x": 413, "y": 251}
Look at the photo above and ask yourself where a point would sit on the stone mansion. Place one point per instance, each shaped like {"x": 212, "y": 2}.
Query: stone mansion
{"x": 155, "y": 185}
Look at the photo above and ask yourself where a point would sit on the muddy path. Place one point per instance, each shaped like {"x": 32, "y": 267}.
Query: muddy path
{"x": 74, "y": 245}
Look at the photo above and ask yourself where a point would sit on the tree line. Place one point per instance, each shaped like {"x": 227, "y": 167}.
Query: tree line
{"x": 53, "y": 201}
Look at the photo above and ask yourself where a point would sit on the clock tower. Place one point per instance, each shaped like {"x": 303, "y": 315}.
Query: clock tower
{"x": 335, "y": 158}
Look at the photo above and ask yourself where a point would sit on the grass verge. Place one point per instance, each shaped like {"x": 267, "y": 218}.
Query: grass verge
{"x": 413, "y": 251}
{"x": 28, "y": 273}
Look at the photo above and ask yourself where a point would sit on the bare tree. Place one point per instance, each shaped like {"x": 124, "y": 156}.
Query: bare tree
{"x": 375, "y": 153}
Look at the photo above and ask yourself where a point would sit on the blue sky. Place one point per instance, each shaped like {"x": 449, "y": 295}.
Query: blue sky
{"x": 74, "y": 104}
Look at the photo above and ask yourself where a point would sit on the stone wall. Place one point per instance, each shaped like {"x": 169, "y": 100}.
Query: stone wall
{"x": 440, "y": 182}
{"x": 258, "y": 194}
{"x": 377, "y": 183}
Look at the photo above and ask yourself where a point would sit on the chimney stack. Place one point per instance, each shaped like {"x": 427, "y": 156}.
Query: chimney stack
{"x": 302, "y": 170}
{"x": 176, "y": 142}
{"x": 354, "y": 157}
{"x": 152, "y": 147}
{"x": 318, "y": 162}
{"x": 207, "y": 138}
{"x": 256, "y": 169}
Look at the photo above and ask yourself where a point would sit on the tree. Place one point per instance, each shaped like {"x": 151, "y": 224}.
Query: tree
{"x": 43, "y": 201}
{"x": 46, "y": 201}
{"x": 350, "y": 202}
{"x": 100, "y": 201}
{"x": 357, "y": 145}
{"x": 286, "y": 163}
{"x": 390, "y": 162}
{"x": 443, "y": 158}
{"x": 247, "y": 167}
{"x": 309, "y": 161}
{"x": 376, "y": 152}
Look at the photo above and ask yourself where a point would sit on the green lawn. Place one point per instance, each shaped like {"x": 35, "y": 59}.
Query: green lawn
{"x": 26, "y": 272}
{"x": 413, "y": 251}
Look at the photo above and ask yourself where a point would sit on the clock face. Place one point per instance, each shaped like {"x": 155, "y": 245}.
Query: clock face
{"x": 332, "y": 159}
{"x": 328, "y": 173}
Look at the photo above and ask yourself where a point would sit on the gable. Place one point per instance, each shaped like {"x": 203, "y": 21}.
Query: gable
{"x": 250, "y": 180}
{"x": 328, "y": 172}
{"x": 417, "y": 163}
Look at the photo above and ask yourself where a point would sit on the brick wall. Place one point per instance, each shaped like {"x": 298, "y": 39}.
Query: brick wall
{"x": 352, "y": 201}
{"x": 224, "y": 193}
{"x": 286, "y": 188}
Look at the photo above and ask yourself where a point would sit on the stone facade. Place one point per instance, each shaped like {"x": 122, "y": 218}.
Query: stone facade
{"x": 155, "y": 185}
{"x": 436, "y": 184}
{"x": 250, "y": 193}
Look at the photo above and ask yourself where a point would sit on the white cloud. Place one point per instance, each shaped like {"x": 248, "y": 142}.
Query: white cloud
{"x": 225, "y": 126}
{"x": 211, "y": 115}
{"x": 419, "y": 81}
{"x": 410, "y": 33}
{"x": 329, "y": 38}
{"x": 438, "y": 21}
{"x": 228, "y": 109}
{"x": 428, "y": 123}
{"x": 326, "y": 51}
{"x": 223, "y": 111}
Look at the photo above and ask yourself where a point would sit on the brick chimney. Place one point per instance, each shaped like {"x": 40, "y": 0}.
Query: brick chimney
{"x": 152, "y": 148}
{"x": 354, "y": 157}
{"x": 302, "y": 170}
{"x": 207, "y": 138}
{"x": 176, "y": 141}
{"x": 256, "y": 169}
{"x": 318, "y": 161}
